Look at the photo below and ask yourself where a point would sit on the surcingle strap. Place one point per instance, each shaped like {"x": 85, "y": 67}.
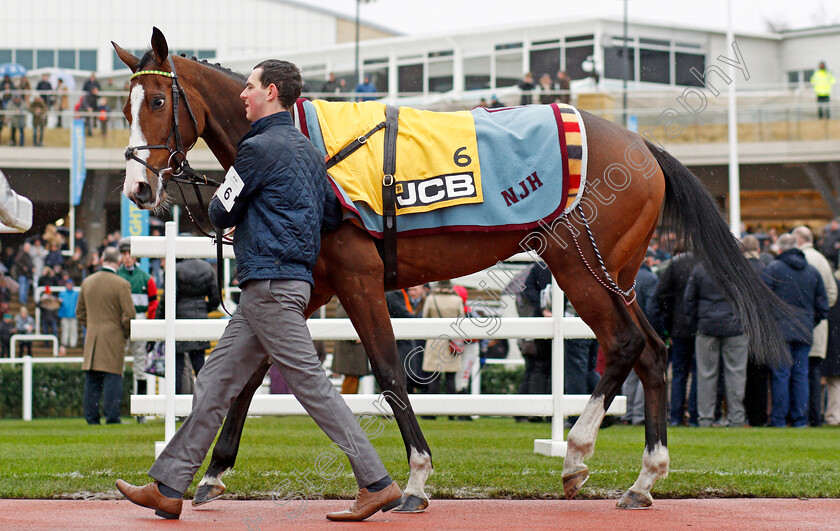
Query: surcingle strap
{"x": 389, "y": 198}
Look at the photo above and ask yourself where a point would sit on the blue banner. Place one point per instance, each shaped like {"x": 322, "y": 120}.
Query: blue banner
{"x": 78, "y": 171}
{"x": 134, "y": 222}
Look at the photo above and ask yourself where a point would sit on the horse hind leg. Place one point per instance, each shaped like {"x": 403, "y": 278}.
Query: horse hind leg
{"x": 211, "y": 486}
{"x": 651, "y": 369}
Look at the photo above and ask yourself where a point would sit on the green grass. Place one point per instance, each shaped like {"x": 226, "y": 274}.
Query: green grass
{"x": 490, "y": 457}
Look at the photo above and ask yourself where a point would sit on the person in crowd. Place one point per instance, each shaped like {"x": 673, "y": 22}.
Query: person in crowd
{"x": 546, "y": 90}
{"x": 831, "y": 242}
{"x": 39, "y": 257}
{"x": 75, "y": 266}
{"x": 408, "y": 304}
{"x": 90, "y": 105}
{"x": 49, "y": 305}
{"x": 38, "y": 109}
{"x": 800, "y": 285}
{"x": 196, "y": 295}
{"x": 646, "y": 285}
{"x": 144, "y": 294}
{"x": 81, "y": 242}
{"x": 44, "y": 87}
{"x": 758, "y": 375}
{"x": 105, "y": 308}
{"x": 805, "y": 243}
{"x": 67, "y": 314}
{"x": 670, "y": 295}
{"x": 54, "y": 257}
{"x": 91, "y": 83}
{"x": 495, "y": 103}
{"x": 24, "y": 324}
{"x": 720, "y": 337}
{"x": 366, "y": 86}
{"x": 333, "y": 86}
{"x": 562, "y": 83}
{"x": 24, "y": 271}
{"x": 17, "y": 119}
{"x": 441, "y": 355}
{"x": 537, "y": 376}
{"x": 349, "y": 360}
{"x": 7, "y": 330}
{"x": 527, "y": 87}
{"x": 831, "y": 365}
{"x": 63, "y": 95}
{"x": 276, "y": 244}
{"x": 822, "y": 80}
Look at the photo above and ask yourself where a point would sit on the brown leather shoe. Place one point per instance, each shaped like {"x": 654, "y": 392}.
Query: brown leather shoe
{"x": 149, "y": 496}
{"x": 368, "y": 503}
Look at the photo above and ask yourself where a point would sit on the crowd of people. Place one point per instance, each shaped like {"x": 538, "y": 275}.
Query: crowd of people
{"x": 20, "y": 102}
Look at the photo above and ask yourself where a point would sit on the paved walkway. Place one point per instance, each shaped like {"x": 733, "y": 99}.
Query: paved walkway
{"x": 713, "y": 514}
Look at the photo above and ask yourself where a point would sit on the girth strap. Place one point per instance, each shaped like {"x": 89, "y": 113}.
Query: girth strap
{"x": 389, "y": 198}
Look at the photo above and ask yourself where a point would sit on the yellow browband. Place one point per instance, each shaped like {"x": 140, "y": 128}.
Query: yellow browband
{"x": 156, "y": 72}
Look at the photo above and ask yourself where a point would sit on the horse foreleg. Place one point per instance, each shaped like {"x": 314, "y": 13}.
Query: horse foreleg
{"x": 369, "y": 314}
{"x": 227, "y": 446}
{"x": 651, "y": 369}
{"x": 622, "y": 343}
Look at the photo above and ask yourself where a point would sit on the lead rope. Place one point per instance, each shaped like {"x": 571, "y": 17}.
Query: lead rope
{"x": 612, "y": 286}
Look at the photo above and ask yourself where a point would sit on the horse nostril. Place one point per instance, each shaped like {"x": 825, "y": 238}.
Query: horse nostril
{"x": 143, "y": 193}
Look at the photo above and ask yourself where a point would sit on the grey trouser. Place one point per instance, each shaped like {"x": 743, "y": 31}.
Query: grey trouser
{"x": 709, "y": 351}
{"x": 268, "y": 322}
{"x": 136, "y": 350}
{"x": 632, "y": 389}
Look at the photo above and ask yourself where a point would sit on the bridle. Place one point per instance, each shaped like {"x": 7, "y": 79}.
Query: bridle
{"x": 179, "y": 168}
{"x": 177, "y": 164}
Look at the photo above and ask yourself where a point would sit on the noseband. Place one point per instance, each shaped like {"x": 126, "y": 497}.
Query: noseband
{"x": 177, "y": 165}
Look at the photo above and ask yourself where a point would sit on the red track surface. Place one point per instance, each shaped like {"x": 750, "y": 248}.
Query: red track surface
{"x": 744, "y": 515}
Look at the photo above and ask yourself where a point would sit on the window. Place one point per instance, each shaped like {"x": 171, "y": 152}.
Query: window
{"x": 5, "y": 56}
{"x": 26, "y": 58}
{"x": 545, "y": 62}
{"x": 379, "y": 77}
{"x": 683, "y": 63}
{"x": 655, "y": 66}
{"x": 508, "y": 69}
{"x": 46, "y": 58}
{"x": 510, "y": 46}
{"x": 477, "y": 73}
{"x": 410, "y": 78}
{"x": 441, "y": 77}
{"x": 793, "y": 77}
{"x": 87, "y": 60}
{"x": 614, "y": 63}
{"x": 67, "y": 59}
{"x": 206, "y": 54}
{"x": 575, "y": 56}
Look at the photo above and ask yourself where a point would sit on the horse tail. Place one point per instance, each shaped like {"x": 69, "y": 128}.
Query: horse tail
{"x": 691, "y": 212}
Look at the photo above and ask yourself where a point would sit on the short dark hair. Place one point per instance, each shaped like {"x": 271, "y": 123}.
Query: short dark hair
{"x": 285, "y": 76}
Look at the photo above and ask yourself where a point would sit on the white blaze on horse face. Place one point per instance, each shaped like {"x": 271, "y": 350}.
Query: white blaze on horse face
{"x": 420, "y": 465}
{"x": 135, "y": 172}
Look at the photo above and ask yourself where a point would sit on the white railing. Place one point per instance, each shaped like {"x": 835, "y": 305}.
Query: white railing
{"x": 15, "y": 339}
{"x": 558, "y": 327}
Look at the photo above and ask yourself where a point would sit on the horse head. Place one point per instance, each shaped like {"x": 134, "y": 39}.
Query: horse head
{"x": 163, "y": 126}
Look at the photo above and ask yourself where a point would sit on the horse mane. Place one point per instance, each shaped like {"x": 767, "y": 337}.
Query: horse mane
{"x": 149, "y": 55}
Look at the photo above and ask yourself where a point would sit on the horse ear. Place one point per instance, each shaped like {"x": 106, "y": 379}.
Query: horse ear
{"x": 159, "y": 45}
{"x": 126, "y": 57}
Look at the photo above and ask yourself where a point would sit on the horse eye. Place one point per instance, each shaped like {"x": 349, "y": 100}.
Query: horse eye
{"x": 157, "y": 103}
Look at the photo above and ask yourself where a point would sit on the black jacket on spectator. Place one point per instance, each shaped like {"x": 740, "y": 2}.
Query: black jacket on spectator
{"x": 831, "y": 365}
{"x": 708, "y": 307}
{"x": 196, "y": 295}
{"x": 670, "y": 295}
{"x": 646, "y": 285}
{"x": 535, "y": 282}
{"x": 800, "y": 285}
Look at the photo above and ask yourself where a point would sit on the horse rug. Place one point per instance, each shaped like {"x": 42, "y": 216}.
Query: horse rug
{"x": 479, "y": 170}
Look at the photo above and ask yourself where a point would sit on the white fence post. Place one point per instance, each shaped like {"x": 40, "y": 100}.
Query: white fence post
{"x": 169, "y": 363}
{"x": 556, "y": 446}
{"x": 27, "y": 388}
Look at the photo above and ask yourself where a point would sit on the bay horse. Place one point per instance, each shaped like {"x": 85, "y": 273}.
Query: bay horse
{"x": 636, "y": 182}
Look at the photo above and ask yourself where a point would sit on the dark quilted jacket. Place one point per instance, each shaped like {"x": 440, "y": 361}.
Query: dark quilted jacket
{"x": 278, "y": 213}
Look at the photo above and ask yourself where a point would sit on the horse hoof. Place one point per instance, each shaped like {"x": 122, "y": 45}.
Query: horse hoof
{"x": 412, "y": 504}
{"x": 574, "y": 481}
{"x": 207, "y": 493}
{"x": 635, "y": 500}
